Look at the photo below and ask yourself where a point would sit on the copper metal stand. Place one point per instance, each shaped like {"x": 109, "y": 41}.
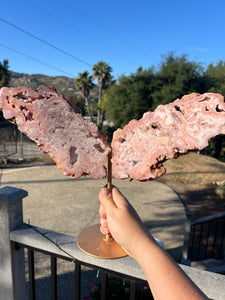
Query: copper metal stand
{"x": 92, "y": 242}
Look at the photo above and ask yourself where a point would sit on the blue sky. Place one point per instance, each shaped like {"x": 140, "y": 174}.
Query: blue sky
{"x": 71, "y": 36}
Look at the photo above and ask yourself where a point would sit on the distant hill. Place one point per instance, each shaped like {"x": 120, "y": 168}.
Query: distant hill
{"x": 61, "y": 83}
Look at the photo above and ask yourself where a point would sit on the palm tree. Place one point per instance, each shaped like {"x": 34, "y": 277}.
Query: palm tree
{"x": 84, "y": 84}
{"x": 101, "y": 71}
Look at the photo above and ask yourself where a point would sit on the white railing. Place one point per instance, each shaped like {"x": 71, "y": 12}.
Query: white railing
{"x": 14, "y": 232}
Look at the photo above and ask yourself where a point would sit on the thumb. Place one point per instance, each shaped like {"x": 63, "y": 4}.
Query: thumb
{"x": 105, "y": 197}
{"x": 119, "y": 199}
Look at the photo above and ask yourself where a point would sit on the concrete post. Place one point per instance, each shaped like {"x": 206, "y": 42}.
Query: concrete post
{"x": 184, "y": 259}
{"x": 12, "y": 269}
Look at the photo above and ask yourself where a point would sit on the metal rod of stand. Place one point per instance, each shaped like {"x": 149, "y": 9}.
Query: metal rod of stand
{"x": 108, "y": 236}
{"x": 109, "y": 183}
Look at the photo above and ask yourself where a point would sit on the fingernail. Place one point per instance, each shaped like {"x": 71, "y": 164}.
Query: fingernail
{"x": 105, "y": 192}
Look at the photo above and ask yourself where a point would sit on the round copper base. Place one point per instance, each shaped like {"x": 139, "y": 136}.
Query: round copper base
{"x": 92, "y": 242}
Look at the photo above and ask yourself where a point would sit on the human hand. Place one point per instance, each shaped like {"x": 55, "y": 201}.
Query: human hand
{"x": 120, "y": 219}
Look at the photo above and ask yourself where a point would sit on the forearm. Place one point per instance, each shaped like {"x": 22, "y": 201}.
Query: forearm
{"x": 166, "y": 279}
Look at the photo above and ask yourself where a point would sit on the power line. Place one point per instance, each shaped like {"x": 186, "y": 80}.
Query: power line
{"x": 35, "y": 59}
{"x": 77, "y": 30}
{"x": 106, "y": 29}
{"x": 45, "y": 42}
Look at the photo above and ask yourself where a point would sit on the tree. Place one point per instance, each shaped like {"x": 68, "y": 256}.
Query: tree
{"x": 4, "y": 79}
{"x": 75, "y": 101}
{"x": 176, "y": 77}
{"x": 4, "y": 73}
{"x": 215, "y": 83}
{"x": 101, "y": 71}
{"x": 215, "y": 78}
{"x": 146, "y": 89}
{"x": 84, "y": 84}
{"x": 130, "y": 98}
